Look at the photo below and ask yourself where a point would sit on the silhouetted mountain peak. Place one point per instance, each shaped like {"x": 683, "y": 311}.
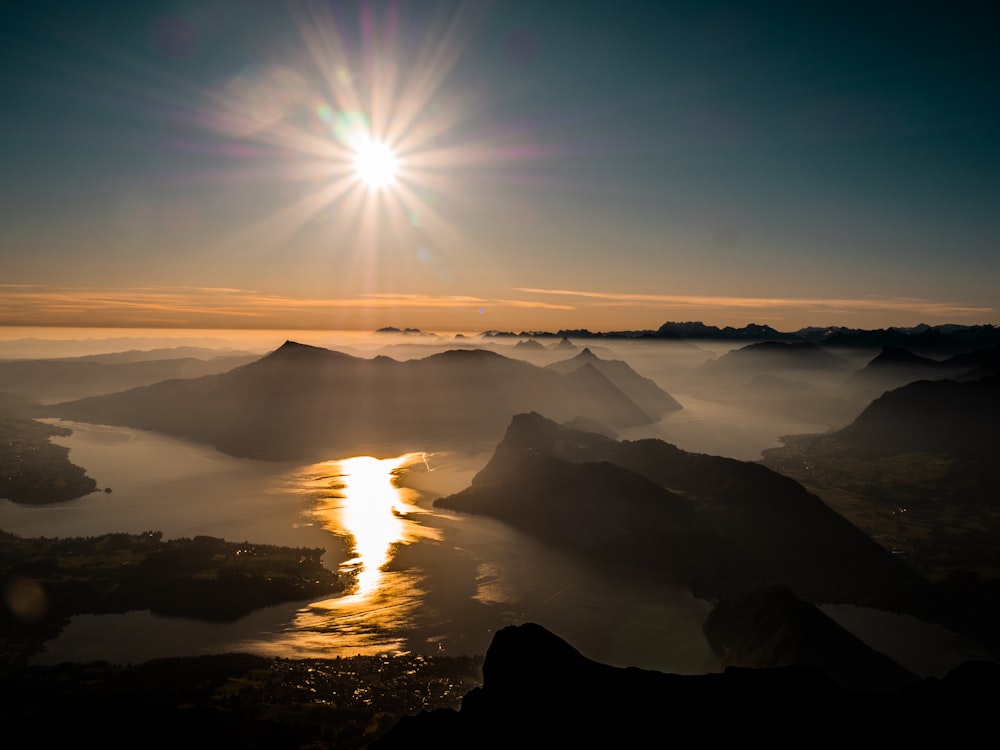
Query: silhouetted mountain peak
{"x": 530, "y": 432}
{"x": 641, "y": 392}
{"x": 294, "y": 348}
{"x": 698, "y": 330}
{"x": 520, "y": 653}
{"x": 292, "y": 352}
{"x": 897, "y": 355}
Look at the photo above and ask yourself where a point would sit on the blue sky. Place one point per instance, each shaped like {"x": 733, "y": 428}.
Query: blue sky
{"x": 561, "y": 164}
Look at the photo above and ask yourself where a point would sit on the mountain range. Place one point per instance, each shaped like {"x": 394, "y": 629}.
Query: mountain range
{"x": 947, "y": 338}
{"x": 895, "y": 366}
{"x": 307, "y": 402}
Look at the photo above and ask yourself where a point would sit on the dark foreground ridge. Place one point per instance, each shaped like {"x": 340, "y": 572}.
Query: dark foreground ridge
{"x": 538, "y": 691}
{"x": 228, "y": 701}
{"x": 532, "y": 690}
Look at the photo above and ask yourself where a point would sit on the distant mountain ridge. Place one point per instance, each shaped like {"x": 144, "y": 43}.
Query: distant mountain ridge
{"x": 770, "y": 355}
{"x": 797, "y": 378}
{"x": 947, "y": 338}
{"x": 895, "y": 366}
{"x": 303, "y": 401}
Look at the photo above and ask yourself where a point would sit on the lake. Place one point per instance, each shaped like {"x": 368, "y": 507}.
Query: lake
{"x": 429, "y": 581}
{"x": 445, "y": 584}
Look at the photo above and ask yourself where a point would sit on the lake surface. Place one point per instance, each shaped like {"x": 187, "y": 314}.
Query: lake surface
{"x": 429, "y": 581}
{"x": 445, "y": 583}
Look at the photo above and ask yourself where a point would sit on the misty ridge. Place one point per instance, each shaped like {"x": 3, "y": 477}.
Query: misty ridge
{"x": 872, "y": 482}
{"x": 824, "y": 375}
{"x": 302, "y": 401}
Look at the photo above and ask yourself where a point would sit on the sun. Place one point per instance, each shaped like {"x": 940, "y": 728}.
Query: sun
{"x": 375, "y": 164}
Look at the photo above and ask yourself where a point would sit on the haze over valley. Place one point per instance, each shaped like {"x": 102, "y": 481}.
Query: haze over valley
{"x": 639, "y": 483}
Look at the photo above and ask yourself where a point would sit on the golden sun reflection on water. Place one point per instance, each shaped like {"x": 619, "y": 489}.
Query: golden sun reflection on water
{"x": 367, "y": 505}
{"x": 358, "y": 500}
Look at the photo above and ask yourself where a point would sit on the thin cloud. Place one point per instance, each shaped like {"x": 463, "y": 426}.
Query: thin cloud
{"x": 34, "y": 305}
{"x": 897, "y": 304}
{"x": 421, "y": 300}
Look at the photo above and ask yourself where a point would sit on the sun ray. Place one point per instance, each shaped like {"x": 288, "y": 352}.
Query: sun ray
{"x": 383, "y": 159}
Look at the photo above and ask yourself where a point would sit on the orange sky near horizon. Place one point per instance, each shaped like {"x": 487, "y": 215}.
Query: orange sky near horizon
{"x": 526, "y": 309}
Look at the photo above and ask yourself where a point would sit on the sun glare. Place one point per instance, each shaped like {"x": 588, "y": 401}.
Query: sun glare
{"x": 370, "y": 136}
{"x": 371, "y": 509}
{"x": 375, "y": 164}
